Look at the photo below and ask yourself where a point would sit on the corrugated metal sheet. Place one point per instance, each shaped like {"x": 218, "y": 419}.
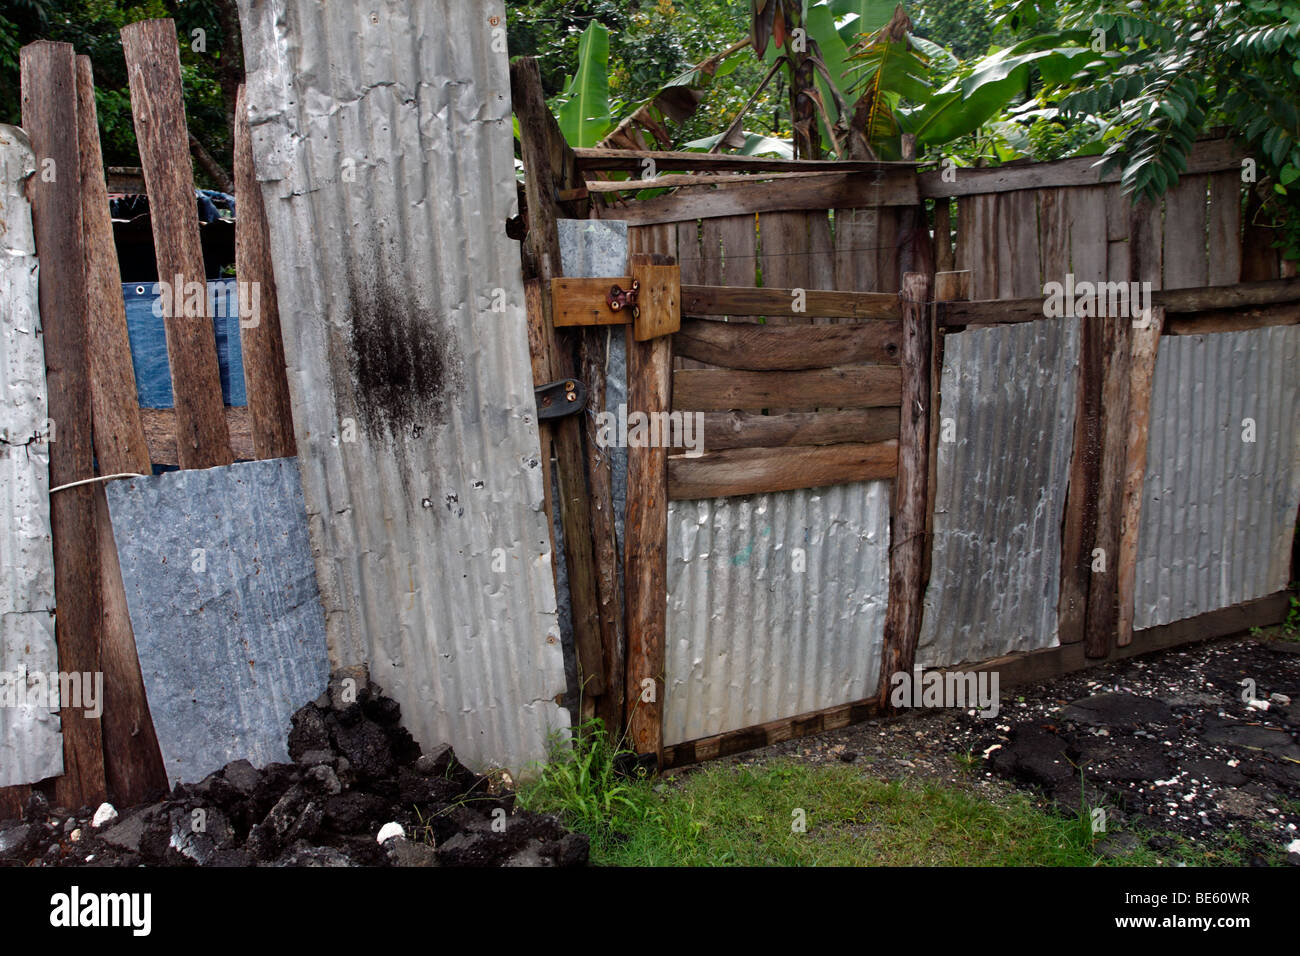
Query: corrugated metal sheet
{"x": 31, "y": 746}
{"x": 221, "y": 588}
{"x": 750, "y": 638}
{"x": 382, "y": 136}
{"x": 1218, "y": 512}
{"x": 995, "y": 574}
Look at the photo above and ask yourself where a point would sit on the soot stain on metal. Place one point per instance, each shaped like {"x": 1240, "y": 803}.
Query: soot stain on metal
{"x": 404, "y": 360}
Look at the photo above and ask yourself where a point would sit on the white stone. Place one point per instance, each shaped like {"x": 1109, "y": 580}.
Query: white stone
{"x": 106, "y": 815}
{"x": 390, "y": 831}
{"x": 1257, "y": 704}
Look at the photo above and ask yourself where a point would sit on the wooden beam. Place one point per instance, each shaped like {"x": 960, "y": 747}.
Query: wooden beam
{"x": 772, "y": 732}
{"x": 850, "y": 386}
{"x": 542, "y": 261}
{"x": 907, "y": 542}
{"x": 1207, "y": 157}
{"x": 649, "y": 389}
{"x": 704, "y": 300}
{"x": 600, "y": 186}
{"x": 1142, "y": 367}
{"x": 49, "y": 111}
{"x": 133, "y": 762}
{"x": 756, "y": 347}
{"x": 160, "y": 434}
{"x": 1078, "y": 530}
{"x": 893, "y": 187}
{"x": 633, "y": 160}
{"x": 659, "y": 301}
{"x": 1234, "y": 320}
{"x": 154, "y": 69}
{"x": 724, "y": 430}
{"x": 584, "y": 302}
{"x": 749, "y": 471}
{"x": 261, "y": 342}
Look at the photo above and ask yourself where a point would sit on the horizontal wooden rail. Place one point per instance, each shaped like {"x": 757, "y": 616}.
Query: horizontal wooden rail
{"x": 882, "y": 187}
{"x": 720, "y": 390}
{"x": 1209, "y": 157}
{"x": 706, "y": 300}
{"x": 160, "y": 434}
{"x": 749, "y": 471}
{"x": 723, "y": 430}
{"x": 772, "y": 732}
{"x": 749, "y": 345}
{"x": 629, "y": 160}
{"x": 1200, "y": 309}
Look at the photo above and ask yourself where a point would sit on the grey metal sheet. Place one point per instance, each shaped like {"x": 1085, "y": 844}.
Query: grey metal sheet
{"x": 382, "y": 138}
{"x": 750, "y": 638}
{"x": 1218, "y": 513}
{"x": 31, "y": 745}
{"x": 1009, "y": 393}
{"x": 221, "y": 588}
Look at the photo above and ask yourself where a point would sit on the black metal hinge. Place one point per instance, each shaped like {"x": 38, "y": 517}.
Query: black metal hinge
{"x": 567, "y": 397}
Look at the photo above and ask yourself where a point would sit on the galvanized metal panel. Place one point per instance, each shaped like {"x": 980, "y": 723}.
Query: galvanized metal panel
{"x": 382, "y": 138}
{"x": 31, "y": 745}
{"x": 221, "y": 588}
{"x": 1219, "y": 512}
{"x": 752, "y": 638}
{"x": 1008, "y": 395}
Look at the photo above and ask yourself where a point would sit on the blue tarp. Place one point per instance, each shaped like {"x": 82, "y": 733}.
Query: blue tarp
{"x": 153, "y": 378}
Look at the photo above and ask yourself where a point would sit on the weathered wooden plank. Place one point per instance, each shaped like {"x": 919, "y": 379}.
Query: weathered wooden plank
{"x": 894, "y": 188}
{"x": 1078, "y": 529}
{"x": 748, "y": 471}
{"x": 649, "y": 380}
{"x": 783, "y": 302}
{"x": 133, "y": 763}
{"x": 1017, "y": 245}
{"x": 907, "y": 542}
{"x": 49, "y": 111}
{"x": 1186, "y": 260}
{"x": 542, "y": 261}
{"x": 820, "y": 253}
{"x": 154, "y": 70}
{"x": 672, "y": 181}
{"x": 1103, "y": 588}
{"x": 1053, "y": 235}
{"x": 261, "y": 343}
{"x": 850, "y": 386}
{"x": 772, "y": 732}
{"x": 977, "y": 218}
{"x": 755, "y": 347}
{"x": 857, "y": 233}
{"x": 723, "y": 430}
{"x": 783, "y": 247}
{"x": 585, "y": 302}
{"x": 1259, "y": 260}
{"x": 1224, "y": 226}
{"x": 659, "y": 301}
{"x": 1234, "y": 320}
{"x": 944, "y": 257}
{"x": 739, "y": 237}
{"x": 1142, "y": 367}
{"x": 1089, "y": 246}
{"x": 631, "y": 161}
{"x": 1206, "y": 157}
{"x": 160, "y": 434}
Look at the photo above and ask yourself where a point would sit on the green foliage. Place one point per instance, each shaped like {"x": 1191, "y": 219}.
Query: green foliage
{"x": 583, "y": 109}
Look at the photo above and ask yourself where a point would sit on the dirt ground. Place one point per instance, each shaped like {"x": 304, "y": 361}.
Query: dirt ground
{"x": 1172, "y": 745}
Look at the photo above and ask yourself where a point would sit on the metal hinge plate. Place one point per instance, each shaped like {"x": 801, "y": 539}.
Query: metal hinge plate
{"x": 566, "y": 397}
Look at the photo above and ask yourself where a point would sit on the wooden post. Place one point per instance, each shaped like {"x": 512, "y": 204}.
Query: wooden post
{"x": 132, "y": 760}
{"x": 1142, "y": 367}
{"x": 649, "y": 390}
{"x": 154, "y": 68}
{"x": 49, "y": 106}
{"x": 259, "y": 335}
{"x": 542, "y": 261}
{"x": 1079, "y": 525}
{"x": 907, "y": 539}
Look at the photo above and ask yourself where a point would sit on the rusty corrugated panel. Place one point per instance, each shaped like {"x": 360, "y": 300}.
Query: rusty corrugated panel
{"x": 1007, "y": 400}
{"x": 31, "y": 745}
{"x": 221, "y": 587}
{"x": 1218, "y": 512}
{"x": 382, "y": 137}
{"x": 753, "y": 638}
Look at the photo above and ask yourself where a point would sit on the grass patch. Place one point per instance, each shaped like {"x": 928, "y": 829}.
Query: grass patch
{"x": 724, "y": 815}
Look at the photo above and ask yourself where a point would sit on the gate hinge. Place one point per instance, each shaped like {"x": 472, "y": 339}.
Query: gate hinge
{"x": 566, "y": 397}
{"x": 619, "y": 299}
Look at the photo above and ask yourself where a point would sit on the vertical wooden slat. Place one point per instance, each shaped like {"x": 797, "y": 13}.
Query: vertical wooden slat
{"x": 1119, "y": 218}
{"x": 739, "y": 235}
{"x": 49, "y": 109}
{"x": 1089, "y": 252}
{"x": 944, "y": 260}
{"x": 1224, "y": 225}
{"x": 1142, "y": 367}
{"x": 856, "y": 235}
{"x": 1186, "y": 262}
{"x": 154, "y": 70}
{"x": 976, "y": 247}
{"x": 542, "y": 261}
{"x": 907, "y": 541}
{"x": 1017, "y": 245}
{"x": 1259, "y": 260}
{"x": 261, "y": 343}
{"x": 820, "y": 252}
{"x": 1054, "y": 235}
{"x": 649, "y": 379}
{"x": 1078, "y": 529}
{"x": 132, "y": 760}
